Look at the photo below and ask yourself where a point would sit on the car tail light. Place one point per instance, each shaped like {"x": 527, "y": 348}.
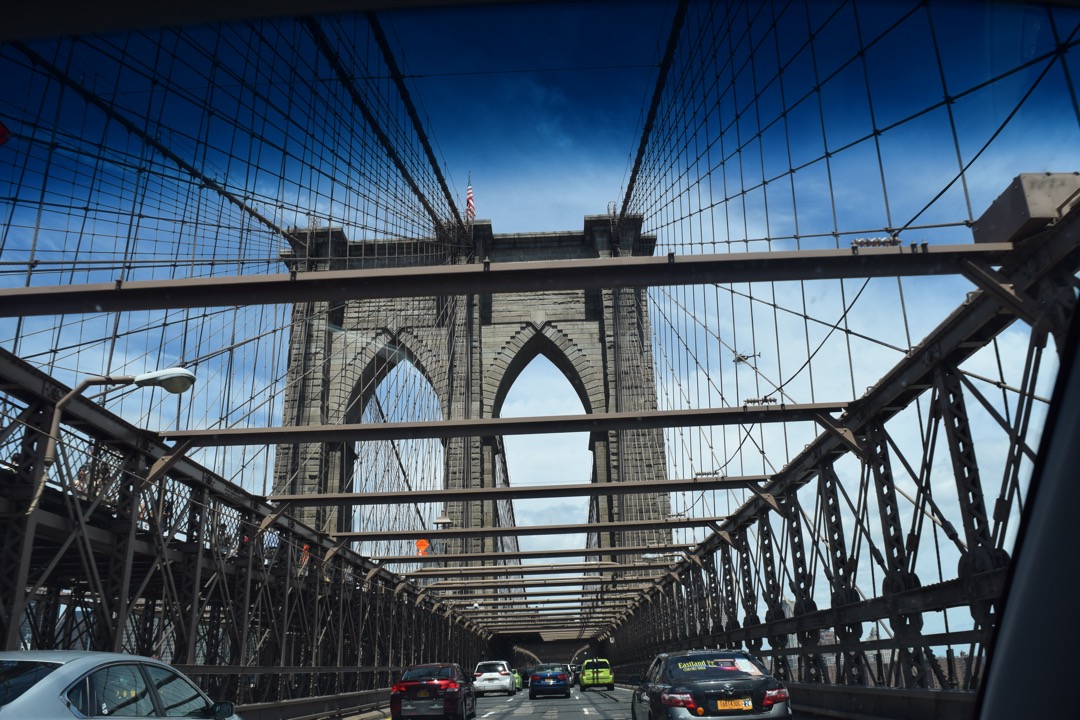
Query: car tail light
{"x": 503, "y": 672}
{"x": 476, "y": 674}
{"x": 680, "y": 699}
{"x": 534, "y": 678}
{"x": 397, "y": 689}
{"x": 561, "y": 676}
{"x": 778, "y": 695}
{"x": 448, "y": 685}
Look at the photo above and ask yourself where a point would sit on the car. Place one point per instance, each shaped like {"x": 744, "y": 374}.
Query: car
{"x": 596, "y": 672}
{"x": 69, "y": 684}
{"x": 494, "y": 676}
{"x": 517, "y": 679}
{"x": 686, "y": 684}
{"x": 433, "y": 690}
{"x": 549, "y": 679}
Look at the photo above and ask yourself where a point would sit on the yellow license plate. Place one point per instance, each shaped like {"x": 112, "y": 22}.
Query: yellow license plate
{"x": 423, "y": 693}
{"x": 740, "y": 704}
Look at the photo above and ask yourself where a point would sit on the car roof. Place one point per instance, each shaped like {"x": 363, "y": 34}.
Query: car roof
{"x": 65, "y": 657}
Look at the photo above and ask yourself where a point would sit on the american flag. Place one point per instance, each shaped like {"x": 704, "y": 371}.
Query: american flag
{"x": 470, "y": 208}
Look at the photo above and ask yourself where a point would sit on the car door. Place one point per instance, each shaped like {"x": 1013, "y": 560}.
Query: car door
{"x": 640, "y": 697}
{"x": 468, "y": 692}
{"x": 179, "y": 697}
{"x": 115, "y": 690}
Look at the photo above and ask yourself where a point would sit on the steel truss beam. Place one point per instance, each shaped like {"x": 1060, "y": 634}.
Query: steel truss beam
{"x": 624, "y": 272}
{"x": 520, "y": 493}
{"x": 491, "y": 427}
{"x": 680, "y": 522}
{"x": 1029, "y": 285}
{"x": 129, "y": 556}
{"x": 498, "y": 558}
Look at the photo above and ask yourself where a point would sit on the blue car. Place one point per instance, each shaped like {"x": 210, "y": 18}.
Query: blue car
{"x": 549, "y": 680}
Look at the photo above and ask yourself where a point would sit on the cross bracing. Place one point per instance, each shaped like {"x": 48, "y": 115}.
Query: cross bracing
{"x": 812, "y": 215}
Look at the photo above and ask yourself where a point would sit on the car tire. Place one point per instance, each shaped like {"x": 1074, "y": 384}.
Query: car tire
{"x": 567, "y": 694}
{"x": 532, "y": 696}
{"x": 611, "y": 687}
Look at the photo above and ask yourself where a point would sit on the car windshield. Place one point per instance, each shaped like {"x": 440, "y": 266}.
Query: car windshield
{"x": 427, "y": 673}
{"x": 490, "y": 667}
{"x": 711, "y": 666}
{"x": 18, "y": 676}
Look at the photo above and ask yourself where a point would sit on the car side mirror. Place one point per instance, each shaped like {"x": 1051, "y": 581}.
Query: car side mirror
{"x": 634, "y": 680}
{"x": 222, "y": 710}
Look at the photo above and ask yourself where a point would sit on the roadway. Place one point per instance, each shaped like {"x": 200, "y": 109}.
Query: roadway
{"x": 591, "y": 705}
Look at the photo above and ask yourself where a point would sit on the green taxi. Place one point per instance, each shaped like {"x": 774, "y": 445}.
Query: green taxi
{"x": 596, "y": 672}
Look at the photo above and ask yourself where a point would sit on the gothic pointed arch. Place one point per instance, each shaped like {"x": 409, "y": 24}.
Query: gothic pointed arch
{"x": 557, "y": 346}
{"x": 380, "y": 354}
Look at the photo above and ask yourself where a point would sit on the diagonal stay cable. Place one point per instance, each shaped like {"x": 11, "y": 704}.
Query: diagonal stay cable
{"x": 345, "y": 77}
{"x": 665, "y": 66}
{"x": 111, "y": 112}
{"x": 399, "y": 81}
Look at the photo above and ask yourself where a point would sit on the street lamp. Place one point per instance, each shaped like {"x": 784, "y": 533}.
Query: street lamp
{"x": 174, "y": 380}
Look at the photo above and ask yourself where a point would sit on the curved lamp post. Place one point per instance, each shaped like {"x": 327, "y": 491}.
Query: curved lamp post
{"x": 174, "y": 380}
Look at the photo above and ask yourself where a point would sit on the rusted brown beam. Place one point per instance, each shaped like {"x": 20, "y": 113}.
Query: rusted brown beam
{"x": 433, "y": 558}
{"x": 493, "y": 570}
{"x": 669, "y": 523}
{"x": 492, "y": 427}
{"x": 911, "y": 260}
{"x": 504, "y": 582}
{"x": 520, "y": 493}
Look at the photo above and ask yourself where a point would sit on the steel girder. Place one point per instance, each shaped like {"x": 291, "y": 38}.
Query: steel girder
{"x": 854, "y": 469}
{"x": 130, "y": 546}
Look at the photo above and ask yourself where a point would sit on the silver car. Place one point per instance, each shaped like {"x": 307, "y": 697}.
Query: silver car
{"x": 67, "y": 684}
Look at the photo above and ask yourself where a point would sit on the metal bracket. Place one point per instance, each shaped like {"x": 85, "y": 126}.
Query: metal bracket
{"x": 993, "y": 282}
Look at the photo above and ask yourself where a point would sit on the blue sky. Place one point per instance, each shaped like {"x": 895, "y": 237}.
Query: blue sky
{"x": 543, "y": 105}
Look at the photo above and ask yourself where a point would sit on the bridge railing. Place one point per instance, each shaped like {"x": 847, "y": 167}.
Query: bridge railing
{"x": 126, "y": 545}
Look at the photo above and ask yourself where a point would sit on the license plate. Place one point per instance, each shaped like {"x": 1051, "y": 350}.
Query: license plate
{"x": 740, "y": 704}
{"x": 422, "y": 693}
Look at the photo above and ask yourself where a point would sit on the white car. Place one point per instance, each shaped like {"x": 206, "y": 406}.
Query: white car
{"x": 494, "y": 676}
{"x": 69, "y": 684}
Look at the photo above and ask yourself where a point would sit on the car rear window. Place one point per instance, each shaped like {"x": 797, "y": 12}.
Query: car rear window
{"x": 714, "y": 666}
{"x": 550, "y": 668}
{"x": 596, "y": 665}
{"x": 18, "y": 676}
{"x": 426, "y": 673}
{"x": 491, "y": 667}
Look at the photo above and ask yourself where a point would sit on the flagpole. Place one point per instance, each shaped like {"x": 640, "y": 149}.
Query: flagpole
{"x": 470, "y": 212}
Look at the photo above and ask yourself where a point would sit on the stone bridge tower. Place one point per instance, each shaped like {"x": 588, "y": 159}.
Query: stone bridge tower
{"x": 471, "y": 349}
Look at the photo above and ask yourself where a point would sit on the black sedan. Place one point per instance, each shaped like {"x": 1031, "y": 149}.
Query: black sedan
{"x": 695, "y": 683}
{"x": 436, "y": 689}
{"x": 549, "y": 680}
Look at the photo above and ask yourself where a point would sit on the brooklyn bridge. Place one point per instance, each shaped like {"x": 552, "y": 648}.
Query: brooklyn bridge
{"x": 279, "y": 408}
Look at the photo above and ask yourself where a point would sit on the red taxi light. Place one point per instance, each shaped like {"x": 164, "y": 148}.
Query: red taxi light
{"x": 683, "y": 700}
{"x": 778, "y": 695}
